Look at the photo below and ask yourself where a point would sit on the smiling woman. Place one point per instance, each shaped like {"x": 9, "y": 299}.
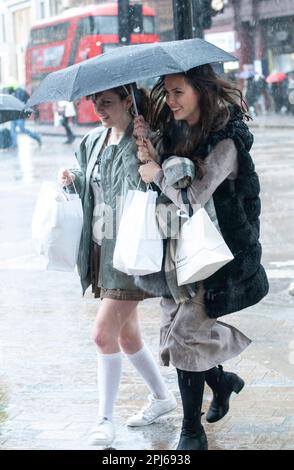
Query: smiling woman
{"x": 113, "y": 108}
{"x": 182, "y": 100}
{"x": 108, "y": 168}
{"x": 199, "y": 117}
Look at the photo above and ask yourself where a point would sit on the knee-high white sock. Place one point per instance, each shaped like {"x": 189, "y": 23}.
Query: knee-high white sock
{"x": 145, "y": 364}
{"x": 108, "y": 376}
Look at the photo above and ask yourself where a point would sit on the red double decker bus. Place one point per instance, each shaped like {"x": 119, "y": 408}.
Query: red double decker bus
{"x": 76, "y": 35}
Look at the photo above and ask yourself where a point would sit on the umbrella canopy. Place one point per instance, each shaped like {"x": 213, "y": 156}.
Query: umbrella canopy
{"x": 11, "y": 108}
{"x": 125, "y": 65}
{"x": 276, "y": 77}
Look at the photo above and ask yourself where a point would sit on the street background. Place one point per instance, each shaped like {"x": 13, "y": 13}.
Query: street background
{"x": 48, "y": 390}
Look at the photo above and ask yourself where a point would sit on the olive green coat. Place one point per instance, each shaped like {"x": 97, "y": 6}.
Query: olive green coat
{"x": 119, "y": 172}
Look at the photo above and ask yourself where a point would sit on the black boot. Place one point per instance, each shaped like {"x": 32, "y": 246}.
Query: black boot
{"x": 191, "y": 385}
{"x": 222, "y": 384}
{"x": 191, "y": 440}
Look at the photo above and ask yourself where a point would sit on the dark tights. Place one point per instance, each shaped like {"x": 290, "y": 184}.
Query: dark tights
{"x": 191, "y": 385}
{"x": 65, "y": 124}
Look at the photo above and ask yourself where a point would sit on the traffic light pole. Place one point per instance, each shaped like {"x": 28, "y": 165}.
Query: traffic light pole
{"x": 182, "y": 10}
{"x": 196, "y": 19}
{"x": 123, "y": 22}
{"x": 187, "y": 19}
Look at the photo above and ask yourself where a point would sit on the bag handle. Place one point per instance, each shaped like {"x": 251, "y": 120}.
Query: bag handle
{"x": 184, "y": 193}
{"x": 148, "y": 185}
{"x": 74, "y": 186}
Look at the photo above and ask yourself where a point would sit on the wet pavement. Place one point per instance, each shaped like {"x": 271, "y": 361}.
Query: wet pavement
{"x": 48, "y": 397}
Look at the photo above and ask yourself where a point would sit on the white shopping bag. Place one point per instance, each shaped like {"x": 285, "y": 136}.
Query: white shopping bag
{"x": 57, "y": 119}
{"x": 201, "y": 249}
{"x": 57, "y": 226}
{"x": 139, "y": 247}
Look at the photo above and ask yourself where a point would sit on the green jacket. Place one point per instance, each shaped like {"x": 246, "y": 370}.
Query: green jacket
{"x": 119, "y": 173}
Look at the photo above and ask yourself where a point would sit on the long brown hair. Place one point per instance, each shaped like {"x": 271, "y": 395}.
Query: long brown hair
{"x": 218, "y": 97}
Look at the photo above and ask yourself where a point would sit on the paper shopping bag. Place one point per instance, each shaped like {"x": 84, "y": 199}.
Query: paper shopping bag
{"x": 201, "y": 249}
{"x": 57, "y": 227}
{"x": 139, "y": 247}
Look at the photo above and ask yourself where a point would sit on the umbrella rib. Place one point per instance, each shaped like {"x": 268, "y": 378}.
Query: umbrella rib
{"x": 73, "y": 84}
{"x": 169, "y": 55}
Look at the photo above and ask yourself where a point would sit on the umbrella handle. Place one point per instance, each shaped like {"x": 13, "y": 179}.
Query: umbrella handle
{"x": 135, "y": 105}
{"x": 134, "y": 101}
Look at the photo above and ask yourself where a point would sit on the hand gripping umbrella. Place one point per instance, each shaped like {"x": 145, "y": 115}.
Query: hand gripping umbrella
{"x": 125, "y": 65}
{"x": 12, "y": 108}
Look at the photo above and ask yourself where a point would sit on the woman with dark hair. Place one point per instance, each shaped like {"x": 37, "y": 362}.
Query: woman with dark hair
{"x": 199, "y": 120}
{"x": 108, "y": 168}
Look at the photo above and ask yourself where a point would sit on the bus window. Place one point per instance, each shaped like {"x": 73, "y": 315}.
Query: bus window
{"x": 104, "y": 25}
{"x": 148, "y": 25}
{"x": 53, "y": 33}
{"x": 48, "y": 56}
{"x": 109, "y": 25}
{"x": 91, "y": 25}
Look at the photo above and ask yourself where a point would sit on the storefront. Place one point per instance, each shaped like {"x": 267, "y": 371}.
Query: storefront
{"x": 264, "y": 33}
{"x": 280, "y": 43}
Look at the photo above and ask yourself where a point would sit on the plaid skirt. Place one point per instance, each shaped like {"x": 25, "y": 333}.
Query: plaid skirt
{"x": 104, "y": 293}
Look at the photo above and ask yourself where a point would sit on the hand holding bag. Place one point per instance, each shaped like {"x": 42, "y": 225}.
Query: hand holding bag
{"x": 57, "y": 227}
{"x": 201, "y": 249}
{"x": 139, "y": 247}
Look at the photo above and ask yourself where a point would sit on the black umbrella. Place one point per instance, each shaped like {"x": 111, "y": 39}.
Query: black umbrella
{"x": 12, "y": 108}
{"x": 125, "y": 65}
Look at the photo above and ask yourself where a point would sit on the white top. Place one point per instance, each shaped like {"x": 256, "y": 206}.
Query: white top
{"x": 67, "y": 107}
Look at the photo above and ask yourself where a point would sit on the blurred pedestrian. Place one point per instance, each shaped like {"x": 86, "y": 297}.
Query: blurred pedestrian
{"x": 19, "y": 126}
{"x": 251, "y": 94}
{"x": 108, "y": 168}
{"x": 200, "y": 119}
{"x": 262, "y": 96}
{"x": 290, "y": 92}
{"x": 66, "y": 112}
{"x": 279, "y": 95}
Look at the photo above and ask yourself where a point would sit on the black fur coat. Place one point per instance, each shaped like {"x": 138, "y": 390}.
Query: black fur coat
{"x": 242, "y": 282}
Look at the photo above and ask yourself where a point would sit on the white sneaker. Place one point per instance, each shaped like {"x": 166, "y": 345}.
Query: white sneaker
{"x": 150, "y": 412}
{"x": 102, "y": 434}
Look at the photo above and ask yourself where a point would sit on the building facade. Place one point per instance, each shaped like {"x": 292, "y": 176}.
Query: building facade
{"x": 261, "y": 33}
